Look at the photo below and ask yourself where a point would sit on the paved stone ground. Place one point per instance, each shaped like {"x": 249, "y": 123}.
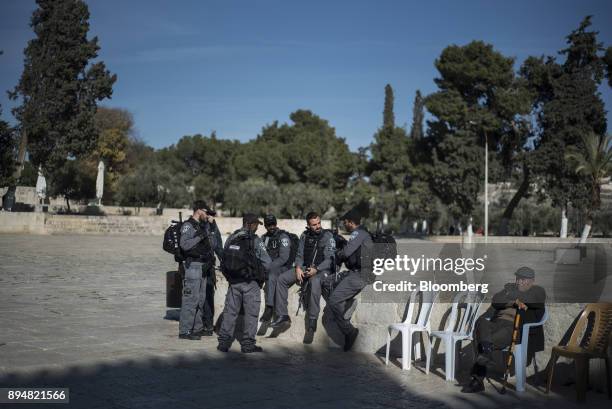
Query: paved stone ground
{"x": 87, "y": 312}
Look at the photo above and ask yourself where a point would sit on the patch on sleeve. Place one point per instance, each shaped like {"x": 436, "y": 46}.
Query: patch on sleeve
{"x": 332, "y": 244}
{"x": 354, "y": 235}
{"x": 285, "y": 242}
{"x": 185, "y": 228}
{"x": 262, "y": 246}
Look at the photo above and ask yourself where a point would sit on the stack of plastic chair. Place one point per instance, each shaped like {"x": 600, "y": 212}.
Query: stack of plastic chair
{"x": 408, "y": 328}
{"x": 589, "y": 340}
{"x": 456, "y": 331}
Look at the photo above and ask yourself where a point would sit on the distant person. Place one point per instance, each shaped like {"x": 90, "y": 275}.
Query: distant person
{"x": 196, "y": 246}
{"x": 496, "y": 334}
{"x": 245, "y": 266}
{"x": 278, "y": 245}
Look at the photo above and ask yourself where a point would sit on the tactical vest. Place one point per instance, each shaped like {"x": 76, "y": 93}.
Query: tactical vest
{"x": 354, "y": 260}
{"x": 201, "y": 251}
{"x": 314, "y": 241}
{"x": 273, "y": 243}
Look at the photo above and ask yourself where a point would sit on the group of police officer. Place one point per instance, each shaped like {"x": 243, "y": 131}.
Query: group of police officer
{"x": 268, "y": 265}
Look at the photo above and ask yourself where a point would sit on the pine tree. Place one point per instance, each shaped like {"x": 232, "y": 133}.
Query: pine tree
{"x": 60, "y": 85}
{"x": 416, "y": 132}
{"x": 388, "y": 115}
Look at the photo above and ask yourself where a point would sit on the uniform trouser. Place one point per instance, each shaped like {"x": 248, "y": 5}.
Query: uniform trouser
{"x": 208, "y": 315}
{"x": 286, "y": 280}
{"x": 349, "y": 287}
{"x": 270, "y": 288}
{"x": 194, "y": 296}
{"x": 498, "y": 333}
{"x": 246, "y": 295}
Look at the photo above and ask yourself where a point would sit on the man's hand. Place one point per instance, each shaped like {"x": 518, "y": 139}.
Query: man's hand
{"x": 520, "y": 305}
{"x": 299, "y": 274}
{"x": 311, "y": 271}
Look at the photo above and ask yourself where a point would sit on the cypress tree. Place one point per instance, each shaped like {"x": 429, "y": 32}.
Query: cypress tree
{"x": 60, "y": 85}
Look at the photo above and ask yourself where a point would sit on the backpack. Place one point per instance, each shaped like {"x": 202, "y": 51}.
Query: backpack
{"x": 385, "y": 245}
{"x": 172, "y": 237}
{"x": 239, "y": 260}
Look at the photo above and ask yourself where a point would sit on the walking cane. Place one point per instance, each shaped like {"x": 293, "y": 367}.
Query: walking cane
{"x": 515, "y": 334}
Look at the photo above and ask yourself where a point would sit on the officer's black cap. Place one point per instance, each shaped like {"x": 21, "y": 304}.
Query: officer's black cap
{"x": 352, "y": 215}
{"x": 525, "y": 272}
{"x": 250, "y": 218}
{"x": 269, "y": 220}
{"x": 201, "y": 205}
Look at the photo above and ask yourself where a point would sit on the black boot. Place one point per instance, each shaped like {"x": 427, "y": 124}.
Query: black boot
{"x": 250, "y": 349}
{"x": 349, "y": 340}
{"x": 281, "y": 322}
{"x": 267, "y": 315}
{"x": 192, "y": 336}
{"x": 476, "y": 385}
{"x": 310, "y": 331}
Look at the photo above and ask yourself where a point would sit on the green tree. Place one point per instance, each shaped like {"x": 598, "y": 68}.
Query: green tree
{"x": 252, "y": 195}
{"x": 568, "y": 105}
{"x": 60, "y": 85}
{"x": 74, "y": 181}
{"x": 388, "y": 114}
{"x": 416, "y": 131}
{"x": 297, "y": 199}
{"x": 8, "y": 154}
{"x": 480, "y": 98}
{"x": 593, "y": 159}
{"x": 390, "y": 165}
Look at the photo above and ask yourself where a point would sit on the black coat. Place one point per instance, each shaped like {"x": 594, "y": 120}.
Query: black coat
{"x": 535, "y": 299}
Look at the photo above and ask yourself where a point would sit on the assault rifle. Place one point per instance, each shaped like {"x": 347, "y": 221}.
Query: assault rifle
{"x": 304, "y": 290}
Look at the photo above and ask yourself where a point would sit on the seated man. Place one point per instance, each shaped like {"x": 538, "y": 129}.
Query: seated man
{"x": 496, "y": 334}
{"x": 313, "y": 261}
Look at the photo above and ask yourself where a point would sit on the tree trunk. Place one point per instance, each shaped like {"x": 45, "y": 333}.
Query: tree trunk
{"x": 563, "y": 233}
{"x": 520, "y": 193}
{"x": 23, "y": 146}
{"x": 68, "y": 203}
{"x": 586, "y": 230}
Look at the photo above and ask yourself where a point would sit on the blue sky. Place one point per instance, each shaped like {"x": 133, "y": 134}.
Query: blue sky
{"x": 234, "y": 66}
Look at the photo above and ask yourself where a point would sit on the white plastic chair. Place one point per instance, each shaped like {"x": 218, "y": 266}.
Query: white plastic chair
{"x": 408, "y": 328}
{"x": 454, "y": 333}
{"x": 520, "y": 353}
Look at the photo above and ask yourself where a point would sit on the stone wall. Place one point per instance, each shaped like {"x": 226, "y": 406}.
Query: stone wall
{"x": 46, "y": 223}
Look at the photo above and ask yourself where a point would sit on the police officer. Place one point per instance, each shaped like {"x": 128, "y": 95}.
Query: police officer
{"x": 214, "y": 235}
{"x": 313, "y": 262}
{"x": 196, "y": 247}
{"x": 278, "y": 245}
{"x": 243, "y": 251}
{"x": 359, "y": 246}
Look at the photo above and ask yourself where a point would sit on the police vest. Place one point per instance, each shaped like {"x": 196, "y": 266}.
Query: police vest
{"x": 312, "y": 242}
{"x": 201, "y": 251}
{"x": 353, "y": 261}
{"x": 273, "y": 243}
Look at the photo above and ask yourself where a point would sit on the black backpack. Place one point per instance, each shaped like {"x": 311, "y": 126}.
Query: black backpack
{"x": 385, "y": 245}
{"x": 172, "y": 237}
{"x": 239, "y": 260}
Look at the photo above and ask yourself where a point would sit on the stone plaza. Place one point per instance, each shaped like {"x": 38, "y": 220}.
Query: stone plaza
{"x": 88, "y": 312}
